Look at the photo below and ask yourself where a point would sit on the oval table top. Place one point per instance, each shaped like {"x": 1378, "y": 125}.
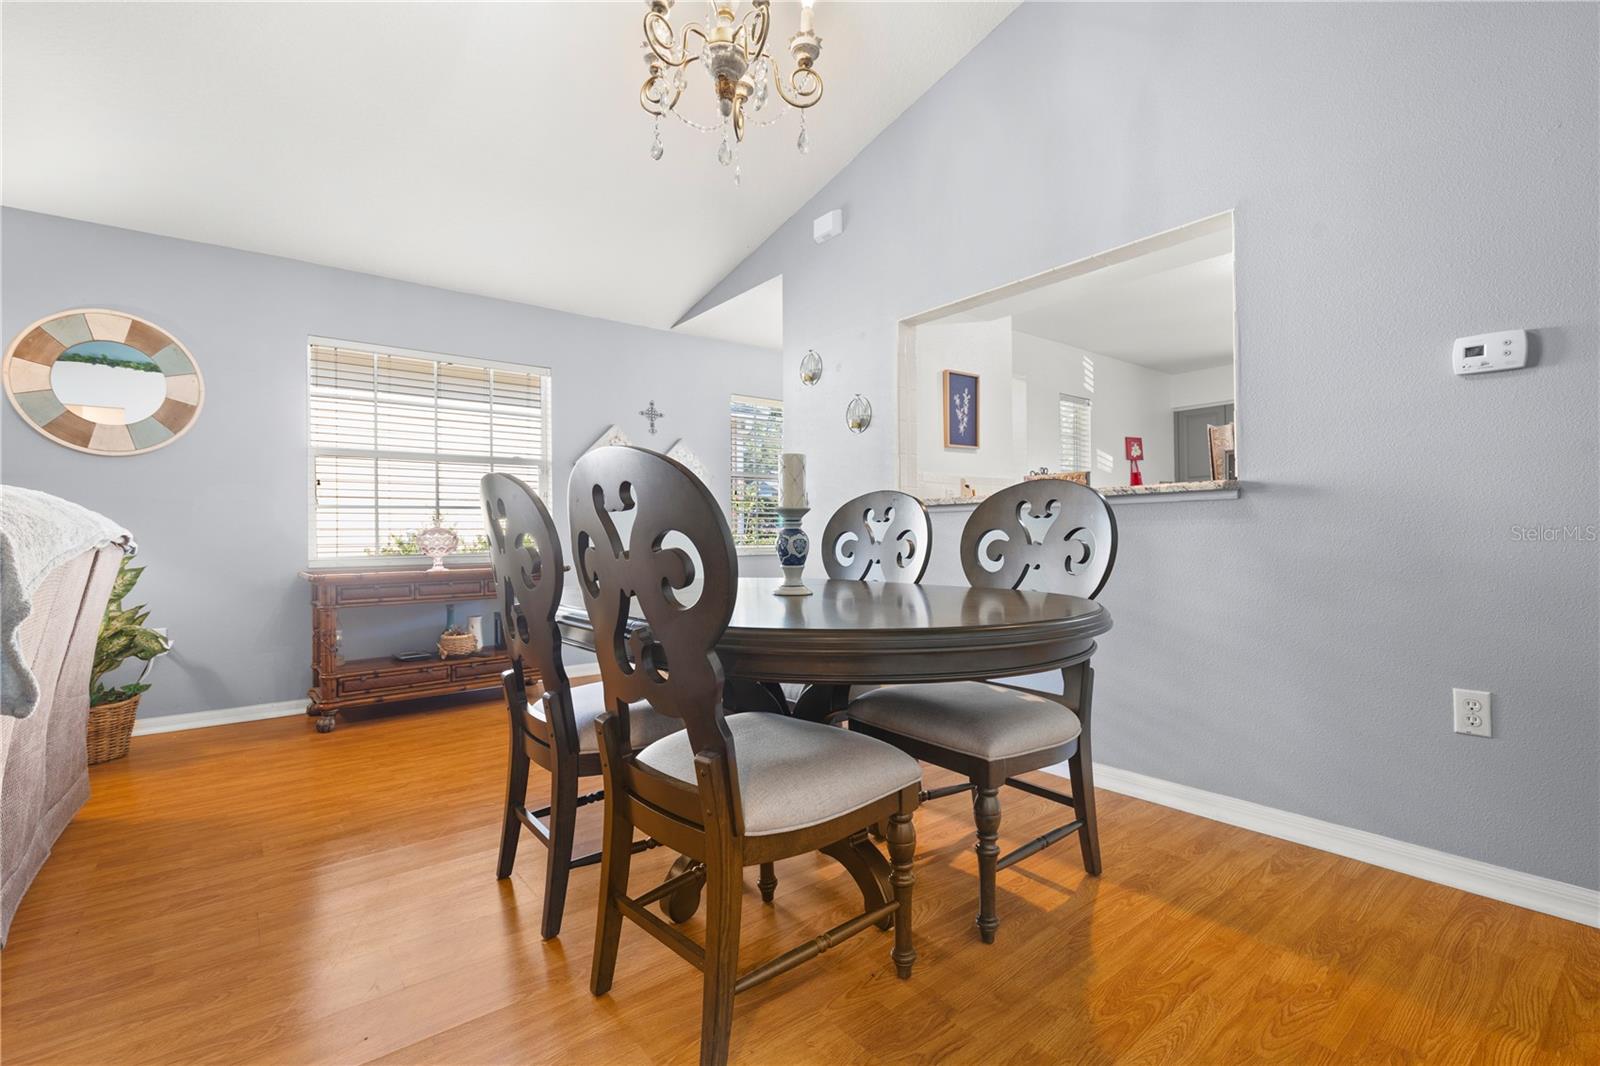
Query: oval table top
{"x": 873, "y": 631}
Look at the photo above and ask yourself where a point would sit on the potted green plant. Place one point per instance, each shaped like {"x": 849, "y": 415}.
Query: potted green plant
{"x": 123, "y": 636}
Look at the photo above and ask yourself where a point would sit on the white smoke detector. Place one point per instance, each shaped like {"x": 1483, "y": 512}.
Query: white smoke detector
{"x": 828, "y": 226}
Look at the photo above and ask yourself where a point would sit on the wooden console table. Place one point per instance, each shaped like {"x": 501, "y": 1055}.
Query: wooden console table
{"x": 337, "y": 684}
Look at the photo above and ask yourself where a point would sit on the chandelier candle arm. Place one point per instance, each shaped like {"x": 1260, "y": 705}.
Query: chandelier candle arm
{"x": 757, "y": 21}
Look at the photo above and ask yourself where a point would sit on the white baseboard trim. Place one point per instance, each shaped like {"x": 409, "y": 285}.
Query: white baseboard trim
{"x": 171, "y": 723}
{"x": 1572, "y": 902}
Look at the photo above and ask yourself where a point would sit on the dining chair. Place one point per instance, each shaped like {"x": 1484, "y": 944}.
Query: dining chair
{"x": 726, "y": 791}
{"x": 555, "y": 729}
{"x": 884, "y": 535}
{"x": 1058, "y": 537}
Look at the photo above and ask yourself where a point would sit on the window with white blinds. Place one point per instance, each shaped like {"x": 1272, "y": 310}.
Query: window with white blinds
{"x": 1075, "y": 451}
{"x": 756, "y": 439}
{"x": 399, "y": 439}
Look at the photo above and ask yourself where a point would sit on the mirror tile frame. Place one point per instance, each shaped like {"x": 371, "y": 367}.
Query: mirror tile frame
{"x": 30, "y": 360}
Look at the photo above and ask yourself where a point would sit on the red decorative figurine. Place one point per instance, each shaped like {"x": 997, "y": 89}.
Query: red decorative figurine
{"x": 1135, "y": 449}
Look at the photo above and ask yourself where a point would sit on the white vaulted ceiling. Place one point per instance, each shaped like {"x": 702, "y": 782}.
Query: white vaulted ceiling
{"x": 496, "y": 148}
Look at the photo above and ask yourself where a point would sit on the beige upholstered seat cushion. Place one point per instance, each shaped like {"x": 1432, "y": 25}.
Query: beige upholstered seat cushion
{"x": 971, "y": 717}
{"x": 793, "y": 773}
{"x": 588, "y": 701}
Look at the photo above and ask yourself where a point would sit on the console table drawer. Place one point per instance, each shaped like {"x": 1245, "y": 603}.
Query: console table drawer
{"x": 357, "y": 595}
{"x": 464, "y": 589}
{"x": 392, "y": 679}
{"x": 487, "y": 669}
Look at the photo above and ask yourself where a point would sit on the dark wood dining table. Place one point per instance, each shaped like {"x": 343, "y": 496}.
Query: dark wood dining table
{"x": 871, "y": 632}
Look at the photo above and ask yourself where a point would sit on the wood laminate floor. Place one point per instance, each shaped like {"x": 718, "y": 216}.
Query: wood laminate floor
{"x": 260, "y": 893}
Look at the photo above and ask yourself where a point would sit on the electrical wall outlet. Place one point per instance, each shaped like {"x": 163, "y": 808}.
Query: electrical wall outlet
{"x": 1471, "y": 712}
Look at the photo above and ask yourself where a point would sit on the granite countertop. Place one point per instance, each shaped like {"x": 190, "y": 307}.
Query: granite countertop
{"x": 1169, "y": 488}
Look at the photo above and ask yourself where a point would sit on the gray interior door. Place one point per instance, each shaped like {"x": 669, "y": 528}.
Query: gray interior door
{"x": 1193, "y": 459}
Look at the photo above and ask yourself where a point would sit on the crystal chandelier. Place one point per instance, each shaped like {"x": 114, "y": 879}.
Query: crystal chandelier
{"x": 733, "y": 50}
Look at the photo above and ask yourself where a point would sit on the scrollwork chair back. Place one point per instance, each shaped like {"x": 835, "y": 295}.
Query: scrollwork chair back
{"x": 526, "y": 553}
{"x": 853, "y": 550}
{"x": 672, "y": 660}
{"x": 1070, "y": 547}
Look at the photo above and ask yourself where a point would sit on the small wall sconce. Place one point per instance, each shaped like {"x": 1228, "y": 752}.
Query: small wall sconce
{"x": 858, "y": 414}
{"x": 810, "y": 367}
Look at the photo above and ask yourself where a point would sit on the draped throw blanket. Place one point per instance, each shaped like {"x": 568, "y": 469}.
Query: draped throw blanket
{"x": 38, "y": 532}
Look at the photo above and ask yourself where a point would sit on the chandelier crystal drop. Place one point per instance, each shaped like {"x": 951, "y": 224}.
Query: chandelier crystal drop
{"x": 732, "y": 49}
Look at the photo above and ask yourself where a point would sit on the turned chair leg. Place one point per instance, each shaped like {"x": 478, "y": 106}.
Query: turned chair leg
{"x": 902, "y": 847}
{"x": 723, "y": 887}
{"x": 616, "y": 853}
{"x": 1081, "y": 771}
{"x": 767, "y": 882}
{"x": 986, "y": 813}
{"x": 1080, "y": 768}
{"x": 516, "y": 800}
{"x": 558, "y": 864}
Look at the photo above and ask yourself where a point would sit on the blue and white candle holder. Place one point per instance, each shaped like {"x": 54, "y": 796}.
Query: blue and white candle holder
{"x": 793, "y": 547}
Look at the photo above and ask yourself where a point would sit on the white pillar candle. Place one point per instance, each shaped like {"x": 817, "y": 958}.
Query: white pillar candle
{"x": 805, "y": 16}
{"x": 792, "y": 490}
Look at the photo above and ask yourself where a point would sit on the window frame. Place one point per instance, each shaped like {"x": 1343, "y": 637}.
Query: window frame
{"x": 544, "y": 462}
{"x": 777, "y": 476}
{"x": 1087, "y": 407}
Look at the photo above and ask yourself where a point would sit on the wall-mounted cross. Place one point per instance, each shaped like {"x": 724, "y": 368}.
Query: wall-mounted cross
{"x": 651, "y": 414}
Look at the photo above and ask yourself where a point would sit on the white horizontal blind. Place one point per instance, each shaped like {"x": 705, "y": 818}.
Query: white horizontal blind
{"x": 1075, "y": 451}
{"x": 398, "y": 438}
{"x": 756, "y": 439}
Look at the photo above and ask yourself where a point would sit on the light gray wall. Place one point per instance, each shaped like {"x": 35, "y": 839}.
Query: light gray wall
{"x": 220, "y": 515}
{"x": 1402, "y": 175}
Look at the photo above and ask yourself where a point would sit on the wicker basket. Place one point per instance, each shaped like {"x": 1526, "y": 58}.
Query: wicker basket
{"x": 110, "y": 729}
{"x": 457, "y": 644}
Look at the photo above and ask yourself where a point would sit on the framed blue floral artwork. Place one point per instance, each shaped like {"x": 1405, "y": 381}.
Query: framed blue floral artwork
{"x": 960, "y": 409}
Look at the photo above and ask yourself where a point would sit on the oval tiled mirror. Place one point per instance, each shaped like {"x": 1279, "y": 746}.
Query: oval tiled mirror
{"x": 104, "y": 382}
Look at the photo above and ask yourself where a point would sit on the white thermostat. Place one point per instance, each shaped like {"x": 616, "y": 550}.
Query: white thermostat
{"x": 1506, "y": 350}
